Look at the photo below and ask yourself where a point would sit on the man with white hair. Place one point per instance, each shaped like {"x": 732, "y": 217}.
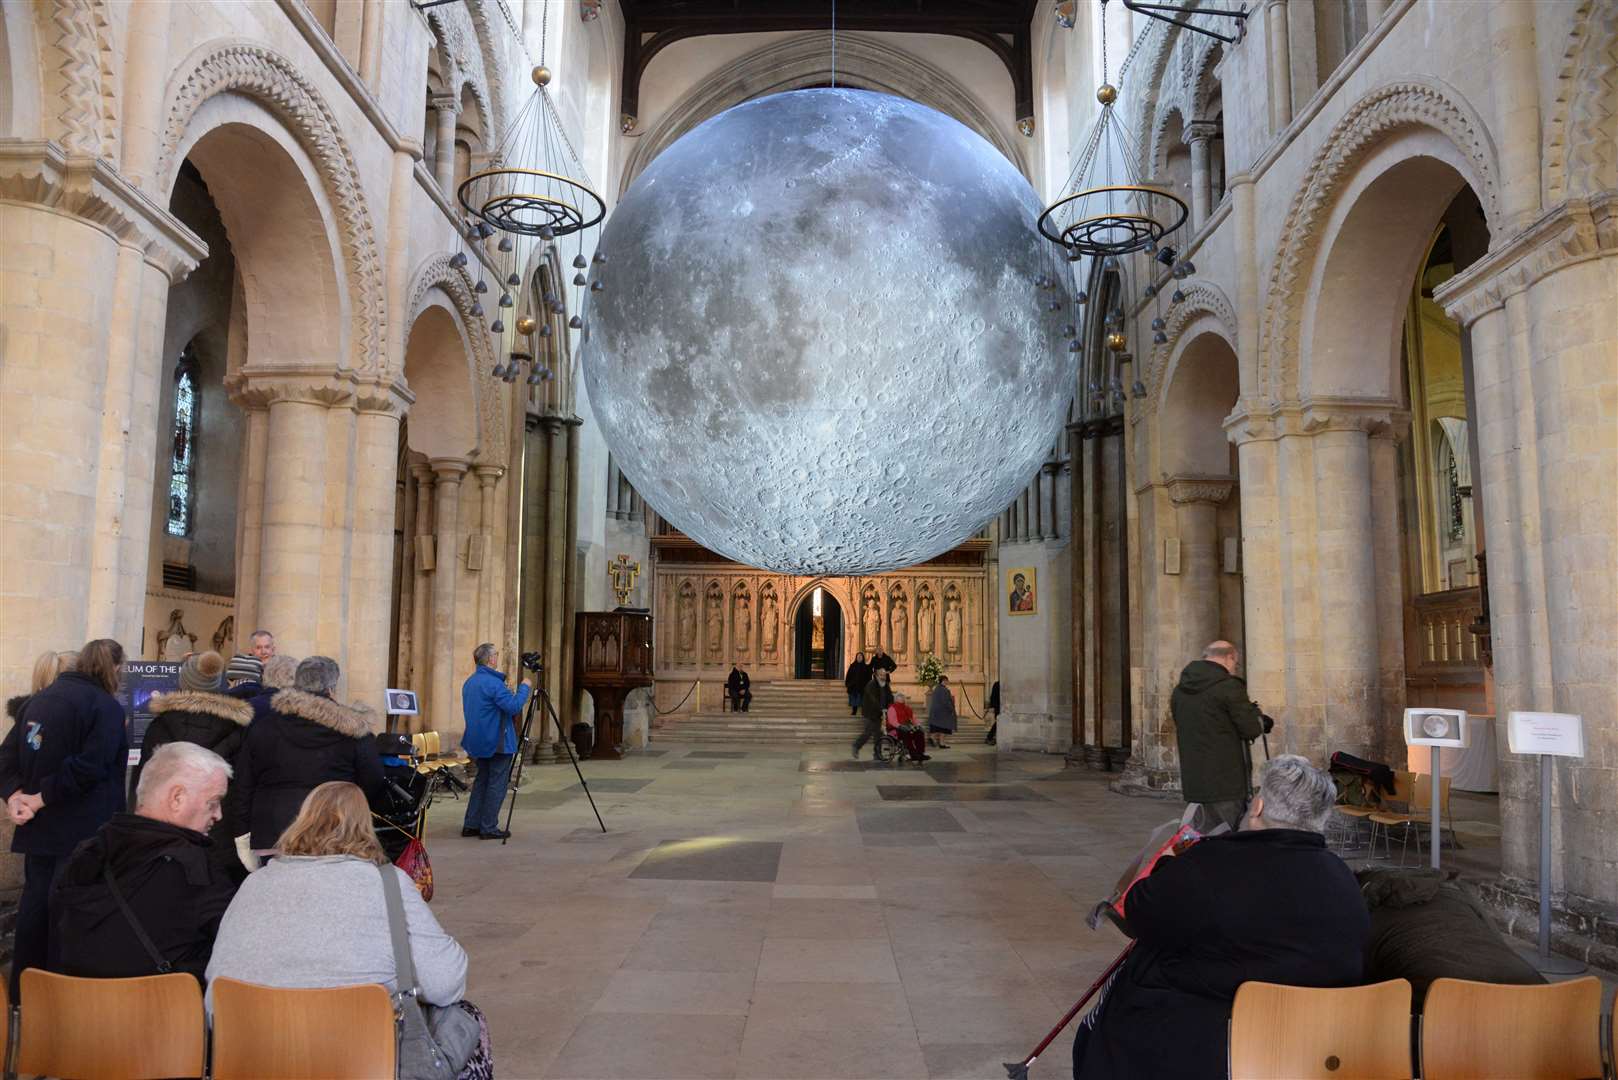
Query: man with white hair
{"x": 1214, "y": 725}
{"x": 1268, "y": 904}
{"x": 142, "y": 896}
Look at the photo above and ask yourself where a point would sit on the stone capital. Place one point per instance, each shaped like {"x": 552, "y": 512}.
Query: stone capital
{"x": 445, "y": 103}
{"x": 251, "y": 389}
{"x": 422, "y": 471}
{"x": 1200, "y": 131}
{"x": 384, "y": 398}
{"x": 488, "y": 474}
{"x": 1195, "y": 488}
{"x": 1573, "y": 232}
{"x": 449, "y": 470}
{"x": 91, "y": 189}
{"x": 1260, "y": 421}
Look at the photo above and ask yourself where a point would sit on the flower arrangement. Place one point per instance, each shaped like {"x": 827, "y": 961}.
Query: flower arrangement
{"x": 929, "y": 671}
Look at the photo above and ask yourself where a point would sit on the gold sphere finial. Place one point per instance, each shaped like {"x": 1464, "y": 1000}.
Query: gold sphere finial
{"x": 542, "y": 75}
{"x": 1107, "y": 94}
{"x": 1116, "y": 341}
{"x": 526, "y": 324}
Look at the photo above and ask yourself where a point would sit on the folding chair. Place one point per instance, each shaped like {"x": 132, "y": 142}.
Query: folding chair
{"x": 266, "y": 1033}
{"x": 111, "y": 1029}
{"x": 1313, "y": 1033}
{"x": 1484, "y": 1031}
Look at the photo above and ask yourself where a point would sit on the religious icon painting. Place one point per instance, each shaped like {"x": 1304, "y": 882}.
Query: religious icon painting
{"x": 1022, "y": 599}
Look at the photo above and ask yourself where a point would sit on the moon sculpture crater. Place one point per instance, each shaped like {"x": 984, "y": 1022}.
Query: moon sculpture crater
{"x": 829, "y": 339}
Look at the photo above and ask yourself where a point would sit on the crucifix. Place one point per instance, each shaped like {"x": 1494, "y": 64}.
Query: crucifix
{"x": 623, "y": 574}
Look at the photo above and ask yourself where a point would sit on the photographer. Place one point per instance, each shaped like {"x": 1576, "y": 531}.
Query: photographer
{"x": 491, "y": 713}
{"x": 1269, "y": 904}
{"x": 1215, "y": 725}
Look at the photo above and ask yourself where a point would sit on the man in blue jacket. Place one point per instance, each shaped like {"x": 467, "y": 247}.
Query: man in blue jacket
{"x": 491, "y": 713}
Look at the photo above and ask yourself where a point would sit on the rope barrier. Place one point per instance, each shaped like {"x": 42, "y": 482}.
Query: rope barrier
{"x": 665, "y": 712}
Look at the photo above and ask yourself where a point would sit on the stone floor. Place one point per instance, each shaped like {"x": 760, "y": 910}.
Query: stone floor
{"x": 782, "y": 913}
{"x": 787, "y": 914}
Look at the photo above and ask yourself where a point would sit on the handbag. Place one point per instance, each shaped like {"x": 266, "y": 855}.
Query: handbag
{"x": 413, "y": 861}
{"x": 159, "y": 961}
{"x": 435, "y": 1042}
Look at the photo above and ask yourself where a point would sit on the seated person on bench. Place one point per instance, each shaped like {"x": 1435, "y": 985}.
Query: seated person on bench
{"x": 738, "y": 689}
{"x": 1268, "y": 903}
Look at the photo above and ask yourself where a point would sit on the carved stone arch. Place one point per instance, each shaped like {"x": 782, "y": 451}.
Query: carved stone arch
{"x": 1581, "y": 142}
{"x": 1157, "y": 155}
{"x": 494, "y": 74}
{"x": 466, "y": 64}
{"x": 864, "y": 62}
{"x": 1380, "y": 115}
{"x": 1202, "y": 297}
{"x": 270, "y": 79}
{"x": 437, "y": 275}
{"x": 1196, "y": 91}
{"x": 80, "y": 80}
{"x": 1141, "y": 81}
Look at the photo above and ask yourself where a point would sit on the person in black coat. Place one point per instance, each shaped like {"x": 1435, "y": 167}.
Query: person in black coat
{"x": 280, "y": 672}
{"x": 62, "y": 776}
{"x": 1215, "y": 724}
{"x": 873, "y": 707}
{"x": 881, "y": 661}
{"x": 1269, "y": 903}
{"x": 160, "y": 858}
{"x": 993, "y": 706}
{"x": 305, "y": 740}
{"x": 202, "y": 712}
{"x": 858, "y": 674}
{"x": 739, "y": 688}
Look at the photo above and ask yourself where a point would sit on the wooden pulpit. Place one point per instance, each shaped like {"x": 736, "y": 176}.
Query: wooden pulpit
{"x": 612, "y": 655}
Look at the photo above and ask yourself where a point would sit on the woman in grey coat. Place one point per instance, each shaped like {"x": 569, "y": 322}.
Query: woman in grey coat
{"x": 940, "y": 713}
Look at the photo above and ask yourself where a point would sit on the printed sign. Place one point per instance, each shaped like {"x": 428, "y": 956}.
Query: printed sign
{"x": 402, "y": 702}
{"x": 1561, "y": 734}
{"x": 1435, "y": 727}
{"x": 138, "y": 682}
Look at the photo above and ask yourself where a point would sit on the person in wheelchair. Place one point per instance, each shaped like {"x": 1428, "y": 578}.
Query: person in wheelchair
{"x": 903, "y": 729}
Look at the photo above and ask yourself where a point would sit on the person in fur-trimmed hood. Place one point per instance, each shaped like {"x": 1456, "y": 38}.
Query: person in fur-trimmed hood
{"x": 202, "y": 712}
{"x": 305, "y": 740}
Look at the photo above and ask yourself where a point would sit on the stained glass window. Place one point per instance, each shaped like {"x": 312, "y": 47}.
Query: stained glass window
{"x": 183, "y": 456}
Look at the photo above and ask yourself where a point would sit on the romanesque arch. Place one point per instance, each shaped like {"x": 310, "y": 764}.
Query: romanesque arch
{"x": 1581, "y": 142}
{"x": 440, "y": 283}
{"x": 19, "y": 74}
{"x": 269, "y": 79}
{"x": 1368, "y": 127}
{"x": 1203, "y": 300}
{"x": 864, "y": 62}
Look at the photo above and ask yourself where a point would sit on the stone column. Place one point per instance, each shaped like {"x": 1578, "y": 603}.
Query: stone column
{"x": 370, "y": 557}
{"x": 250, "y": 523}
{"x": 295, "y": 478}
{"x": 1198, "y": 136}
{"x": 1374, "y": 10}
{"x": 1263, "y": 522}
{"x": 488, "y": 614}
{"x": 1345, "y": 544}
{"x": 446, "y": 109}
{"x": 1514, "y": 86}
{"x": 1280, "y": 65}
{"x": 1196, "y": 502}
{"x": 447, "y": 474}
{"x": 421, "y": 592}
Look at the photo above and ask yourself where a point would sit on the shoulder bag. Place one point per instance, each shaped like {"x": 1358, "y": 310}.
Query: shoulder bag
{"x": 159, "y": 961}
{"x": 435, "y": 1042}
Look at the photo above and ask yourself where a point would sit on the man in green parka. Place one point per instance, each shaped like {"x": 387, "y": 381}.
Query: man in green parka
{"x": 1215, "y": 725}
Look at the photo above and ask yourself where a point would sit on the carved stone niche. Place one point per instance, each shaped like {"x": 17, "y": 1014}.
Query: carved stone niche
{"x": 1199, "y": 489}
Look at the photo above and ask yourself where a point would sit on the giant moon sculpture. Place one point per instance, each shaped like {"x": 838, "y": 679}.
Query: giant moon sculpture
{"x": 829, "y": 338}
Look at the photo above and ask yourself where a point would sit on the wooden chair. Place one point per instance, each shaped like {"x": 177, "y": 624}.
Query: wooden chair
{"x": 1414, "y": 792}
{"x": 1309, "y": 1033}
{"x": 111, "y": 1029}
{"x": 1491, "y": 1032}
{"x": 266, "y": 1033}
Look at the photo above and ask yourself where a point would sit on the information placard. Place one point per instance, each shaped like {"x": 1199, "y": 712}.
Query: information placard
{"x": 1558, "y": 734}
{"x": 138, "y": 681}
{"x": 1435, "y": 727}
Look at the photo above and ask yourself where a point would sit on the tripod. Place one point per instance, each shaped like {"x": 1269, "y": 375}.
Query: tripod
{"x": 523, "y": 742}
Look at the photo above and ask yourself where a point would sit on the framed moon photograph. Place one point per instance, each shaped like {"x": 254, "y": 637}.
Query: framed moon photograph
{"x": 402, "y": 703}
{"x": 1022, "y": 597}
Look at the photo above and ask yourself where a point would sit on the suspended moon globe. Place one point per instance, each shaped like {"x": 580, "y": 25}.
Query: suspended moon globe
{"x": 829, "y": 339}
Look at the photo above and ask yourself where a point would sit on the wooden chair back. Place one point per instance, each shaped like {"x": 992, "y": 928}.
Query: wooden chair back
{"x": 111, "y": 1029}
{"x": 1310, "y": 1033}
{"x": 1404, "y": 788}
{"x": 266, "y": 1033}
{"x": 1423, "y": 794}
{"x": 1486, "y": 1030}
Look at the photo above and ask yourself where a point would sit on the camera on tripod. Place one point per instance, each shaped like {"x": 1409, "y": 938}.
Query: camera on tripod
{"x": 532, "y": 661}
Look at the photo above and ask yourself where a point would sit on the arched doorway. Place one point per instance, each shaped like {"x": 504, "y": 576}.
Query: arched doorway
{"x": 818, "y": 637}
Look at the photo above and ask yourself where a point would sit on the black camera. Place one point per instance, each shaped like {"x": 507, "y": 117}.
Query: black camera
{"x": 532, "y": 662}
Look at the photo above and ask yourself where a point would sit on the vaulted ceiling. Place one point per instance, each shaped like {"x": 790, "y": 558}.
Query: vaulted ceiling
{"x": 1002, "y": 26}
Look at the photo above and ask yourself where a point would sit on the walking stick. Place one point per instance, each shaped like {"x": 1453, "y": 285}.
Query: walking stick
{"x": 1019, "y": 1070}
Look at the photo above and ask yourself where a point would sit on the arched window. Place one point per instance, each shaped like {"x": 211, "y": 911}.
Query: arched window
{"x": 183, "y": 453}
